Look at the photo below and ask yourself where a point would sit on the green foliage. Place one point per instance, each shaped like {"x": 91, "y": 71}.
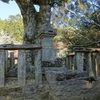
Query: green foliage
{"x": 1, "y": 24}
{"x": 52, "y": 2}
{"x": 80, "y": 20}
{"x": 13, "y": 25}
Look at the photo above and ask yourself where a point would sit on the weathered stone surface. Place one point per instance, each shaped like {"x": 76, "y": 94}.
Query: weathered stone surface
{"x": 30, "y": 70}
{"x": 75, "y": 74}
{"x": 2, "y": 71}
{"x": 11, "y": 60}
{"x": 79, "y": 61}
{"x": 19, "y": 47}
{"x": 6, "y": 61}
{"x": 54, "y": 63}
{"x": 21, "y": 68}
{"x": 38, "y": 70}
{"x": 12, "y": 73}
{"x": 46, "y": 36}
{"x": 28, "y": 89}
{"x": 75, "y": 89}
{"x": 72, "y": 85}
{"x": 48, "y": 52}
{"x": 98, "y": 63}
{"x": 52, "y": 74}
{"x": 63, "y": 74}
{"x": 89, "y": 64}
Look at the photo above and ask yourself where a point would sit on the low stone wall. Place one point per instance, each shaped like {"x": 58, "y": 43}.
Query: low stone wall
{"x": 75, "y": 88}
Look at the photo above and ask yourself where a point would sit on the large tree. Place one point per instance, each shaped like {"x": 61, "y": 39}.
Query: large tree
{"x": 79, "y": 21}
{"x": 34, "y": 20}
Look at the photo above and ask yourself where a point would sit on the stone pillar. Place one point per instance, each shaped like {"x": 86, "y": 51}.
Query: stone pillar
{"x": 21, "y": 68}
{"x": 85, "y": 62}
{"x": 73, "y": 62}
{"x": 2, "y": 69}
{"x": 90, "y": 64}
{"x": 6, "y": 61}
{"x": 94, "y": 62}
{"x": 79, "y": 60}
{"x": 98, "y": 63}
{"x": 11, "y": 60}
{"x": 70, "y": 62}
{"x": 66, "y": 63}
{"x": 38, "y": 70}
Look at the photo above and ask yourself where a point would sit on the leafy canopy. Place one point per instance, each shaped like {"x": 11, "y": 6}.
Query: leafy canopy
{"x": 13, "y": 25}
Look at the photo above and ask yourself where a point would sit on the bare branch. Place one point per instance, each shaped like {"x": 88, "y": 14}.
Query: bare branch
{"x": 92, "y": 21}
{"x": 93, "y": 43}
{"x": 6, "y": 1}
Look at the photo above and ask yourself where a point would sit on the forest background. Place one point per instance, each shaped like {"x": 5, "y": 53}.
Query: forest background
{"x": 77, "y": 23}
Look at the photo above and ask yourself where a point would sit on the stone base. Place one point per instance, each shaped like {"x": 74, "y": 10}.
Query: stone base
{"x": 75, "y": 89}
{"x": 62, "y": 74}
{"x": 72, "y": 85}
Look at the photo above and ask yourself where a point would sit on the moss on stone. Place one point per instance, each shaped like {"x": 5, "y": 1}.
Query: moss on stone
{"x": 6, "y": 91}
{"x": 30, "y": 77}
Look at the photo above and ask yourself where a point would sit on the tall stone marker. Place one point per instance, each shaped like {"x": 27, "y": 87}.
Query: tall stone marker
{"x": 48, "y": 51}
{"x": 79, "y": 61}
{"x": 21, "y": 68}
{"x": 46, "y": 33}
{"x": 38, "y": 70}
{"x": 2, "y": 69}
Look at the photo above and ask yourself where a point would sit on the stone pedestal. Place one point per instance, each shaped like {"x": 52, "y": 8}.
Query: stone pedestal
{"x": 48, "y": 51}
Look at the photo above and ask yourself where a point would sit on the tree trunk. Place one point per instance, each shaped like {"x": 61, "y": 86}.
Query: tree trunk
{"x": 44, "y": 18}
{"x": 34, "y": 23}
{"x": 28, "y": 13}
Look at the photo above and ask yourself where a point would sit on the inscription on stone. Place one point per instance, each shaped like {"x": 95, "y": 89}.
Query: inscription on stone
{"x": 51, "y": 63}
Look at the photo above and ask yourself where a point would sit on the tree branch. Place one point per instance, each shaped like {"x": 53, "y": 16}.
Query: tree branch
{"x": 84, "y": 15}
